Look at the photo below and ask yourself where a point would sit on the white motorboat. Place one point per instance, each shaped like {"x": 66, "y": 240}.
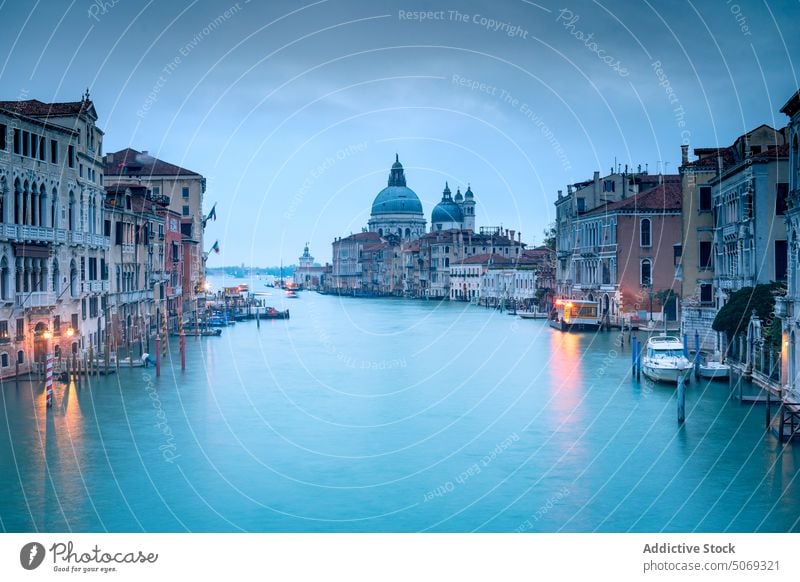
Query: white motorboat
{"x": 535, "y": 314}
{"x": 664, "y": 361}
{"x": 715, "y": 370}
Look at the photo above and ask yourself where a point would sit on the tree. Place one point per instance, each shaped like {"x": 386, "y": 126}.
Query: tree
{"x": 734, "y": 316}
{"x": 550, "y": 236}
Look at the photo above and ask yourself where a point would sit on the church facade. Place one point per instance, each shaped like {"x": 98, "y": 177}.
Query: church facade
{"x": 397, "y": 255}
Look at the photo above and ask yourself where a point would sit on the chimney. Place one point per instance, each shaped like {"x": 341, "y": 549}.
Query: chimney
{"x": 684, "y": 154}
{"x": 559, "y": 194}
{"x": 145, "y": 153}
{"x": 511, "y": 235}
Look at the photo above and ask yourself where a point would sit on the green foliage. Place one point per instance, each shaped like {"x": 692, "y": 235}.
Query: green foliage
{"x": 734, "y": 317}
{"x": 550, "y": 236}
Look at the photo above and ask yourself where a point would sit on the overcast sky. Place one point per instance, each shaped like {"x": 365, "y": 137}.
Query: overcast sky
{"x": 294, "y": 111}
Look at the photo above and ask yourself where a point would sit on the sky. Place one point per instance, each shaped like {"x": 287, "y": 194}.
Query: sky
{"x": 294, "y": 111}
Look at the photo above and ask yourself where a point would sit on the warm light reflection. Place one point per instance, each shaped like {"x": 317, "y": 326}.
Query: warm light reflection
{"x": 70, "y": 332}
{"x": 47, "y": 335}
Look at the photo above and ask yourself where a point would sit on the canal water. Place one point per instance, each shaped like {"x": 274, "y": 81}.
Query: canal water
{"x": 389, "y": 415}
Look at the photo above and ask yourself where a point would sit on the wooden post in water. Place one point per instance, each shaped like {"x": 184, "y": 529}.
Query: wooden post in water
{"x": 258, "y": 321}
{"x": 158, "y": 355}
{"x": 766, "y": 408}
{"x": 633, "y": 359}
{"x": 638, "y": 360}
{"x": 696, "y": 354}
{"x": 682, "y": 396}
{"x": 685, "y": 345}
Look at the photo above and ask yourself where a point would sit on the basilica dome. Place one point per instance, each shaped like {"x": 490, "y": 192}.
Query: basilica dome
{"x": 396, "y": 198}
{"x": 447, "y": 211}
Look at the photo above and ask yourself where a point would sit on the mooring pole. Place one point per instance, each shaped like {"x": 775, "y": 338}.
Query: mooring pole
{"x": 633, "y": 359}
{"x": 158, "y": 356}
{"x": 696, "y": 354}
{"x": 681, "y": 396}
{"x": 686, "y": 345}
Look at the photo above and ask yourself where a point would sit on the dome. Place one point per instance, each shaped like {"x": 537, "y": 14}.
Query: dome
{"x": 468, "y": 194}
{"x": 446, "y": 210}
{"x": 459, "y": 197}
{"x": 397, "y": 198}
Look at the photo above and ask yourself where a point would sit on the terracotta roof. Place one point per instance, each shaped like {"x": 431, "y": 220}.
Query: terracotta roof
{"x": 781, "y": 151}
{"x": 363, "y": 236}
{"x": 129, "y": 162}
{"x": 708, "y": 158}
{"x": 664, "y": 197}
{"x": 35, "y": 108}
{"x": 484, "y": 258}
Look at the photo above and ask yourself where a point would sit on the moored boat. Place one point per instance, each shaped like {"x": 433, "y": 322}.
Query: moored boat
{"x": 664, "y": 360}
{"x": 535, "y": 314}
{"x": 272, "y": 313}
{"x": 714, "y": 370}
{"x": 575, "y": 315}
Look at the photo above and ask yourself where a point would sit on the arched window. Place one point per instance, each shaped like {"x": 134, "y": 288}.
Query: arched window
{"x": 5, "y": 282}
{"x": 4, "y": 360}
{"x": 646, "y": 270}
{"x": 408, "y": 232}
{"x": 3, "y": 192}
{"x": 73, "y": 279}
{"x": 41, "y": 211}
{"x": 380, "y": 232}
{"x": 71, "y": 218}
{"x": 17, "y": 201}
{"x": 53, "y": 217}
{"x": 26, "y": 195}
{"x": 20, "y": 357}
{"x": 645, "y": 233}
{"x": 56, "y": 286}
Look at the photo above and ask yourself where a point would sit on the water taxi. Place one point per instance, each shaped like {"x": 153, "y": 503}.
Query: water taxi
{"x": 664, "y": 360}
{"x": 575, "y": 315}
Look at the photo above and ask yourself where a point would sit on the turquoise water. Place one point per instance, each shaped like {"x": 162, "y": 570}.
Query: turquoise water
{"x": 389, "y": 415}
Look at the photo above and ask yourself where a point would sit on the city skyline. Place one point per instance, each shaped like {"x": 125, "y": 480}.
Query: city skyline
{"x": 295, "y": 113}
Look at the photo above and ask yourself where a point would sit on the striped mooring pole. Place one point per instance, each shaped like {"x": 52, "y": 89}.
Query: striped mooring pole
{"x": 48, "y": 382}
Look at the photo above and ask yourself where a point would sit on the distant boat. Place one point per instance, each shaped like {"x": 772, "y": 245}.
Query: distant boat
{"x": 535, "y": 314}
{"x": 663, "y": 360}
{"x": 201, "y": 333}
{"x": 272, "y": 313}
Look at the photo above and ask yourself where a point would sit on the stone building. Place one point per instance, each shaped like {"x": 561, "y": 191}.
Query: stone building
{"x": 53, "y": 275}
{"x": 185, "y": 190}
{"x": 788, "y": 308}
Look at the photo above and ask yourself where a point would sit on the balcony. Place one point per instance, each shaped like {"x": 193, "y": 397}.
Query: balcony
{"x": 35, "y": 299}
{"x": 98, "y": 240}
{"x": 134, "y": 296}
{"x": 76, "y": 237}
{"x": 128, "y": 248}
{"x": 94, "y": 286}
